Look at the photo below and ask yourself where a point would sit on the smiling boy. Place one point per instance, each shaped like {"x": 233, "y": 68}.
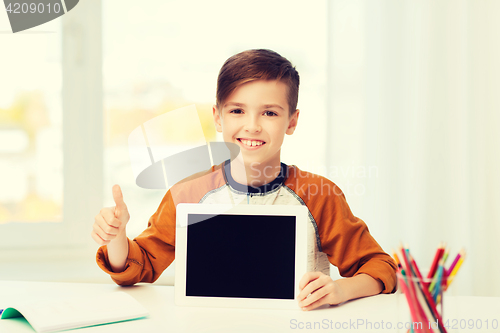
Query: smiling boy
{"x": 257, "y": 93}
{"x": 256, "y": 118}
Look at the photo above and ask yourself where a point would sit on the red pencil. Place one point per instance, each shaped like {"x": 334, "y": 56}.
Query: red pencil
{"x": 415, "y": 266}
{"x": 428, "y": 298}
{"x": 411, "y": 302}
{"x": 439, "y": 254}
{"x": 412, "y": 288}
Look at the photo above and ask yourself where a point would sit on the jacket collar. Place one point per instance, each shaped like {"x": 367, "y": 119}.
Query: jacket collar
{"x": 277, "y": 182}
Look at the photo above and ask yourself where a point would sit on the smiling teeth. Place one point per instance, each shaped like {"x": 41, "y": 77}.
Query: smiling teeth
{"x": 252, "y": 143}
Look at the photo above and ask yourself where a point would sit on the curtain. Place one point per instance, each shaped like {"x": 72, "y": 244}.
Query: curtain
{"x": 413, "y": 92}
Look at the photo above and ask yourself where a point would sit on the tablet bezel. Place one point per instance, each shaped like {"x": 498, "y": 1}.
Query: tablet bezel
{"x": 182, "y": 211}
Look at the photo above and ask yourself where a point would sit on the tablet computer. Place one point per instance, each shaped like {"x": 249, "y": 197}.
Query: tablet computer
{"x": 249, "y": 256}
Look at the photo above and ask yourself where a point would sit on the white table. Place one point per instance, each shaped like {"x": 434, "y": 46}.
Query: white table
{"x": 371, "y": 314}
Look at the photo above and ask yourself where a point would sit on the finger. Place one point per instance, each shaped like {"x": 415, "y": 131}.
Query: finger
{"x": 109, "y": 224}
{"x": 313, "y": 297}
{"x": 306, "y": 278}
{"x": 98, "y": 239}
{"x": 317, "y": 304}
{"x": 311, "y": 287}
{"x": 101, "y": 233}
{"x": 108, "y": 214}
{"x": 118, "y": 198}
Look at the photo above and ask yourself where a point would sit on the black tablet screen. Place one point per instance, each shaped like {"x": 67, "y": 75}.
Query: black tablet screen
{"x": 245, "y": 256}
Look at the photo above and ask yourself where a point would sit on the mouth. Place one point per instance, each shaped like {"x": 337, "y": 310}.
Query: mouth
{"x": 251, "y": 143}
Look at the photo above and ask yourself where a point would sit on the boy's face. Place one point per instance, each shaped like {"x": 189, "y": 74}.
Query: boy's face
{"x": 256, "y": 117}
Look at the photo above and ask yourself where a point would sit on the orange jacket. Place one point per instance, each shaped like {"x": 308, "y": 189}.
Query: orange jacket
{"x": 340, "y": 238}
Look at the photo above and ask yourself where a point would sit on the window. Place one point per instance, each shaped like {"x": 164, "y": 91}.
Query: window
{"x": 31, "y": 128}
{"x": 50, "y": 160}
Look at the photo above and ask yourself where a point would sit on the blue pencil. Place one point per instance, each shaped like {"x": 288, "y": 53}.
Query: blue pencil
{"x": 438, "y": 285}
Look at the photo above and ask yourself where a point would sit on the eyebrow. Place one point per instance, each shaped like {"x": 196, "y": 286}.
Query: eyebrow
{"x": 263, "y": 106}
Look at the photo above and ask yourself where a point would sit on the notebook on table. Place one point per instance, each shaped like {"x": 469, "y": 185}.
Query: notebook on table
{"x": 65, "y": 313}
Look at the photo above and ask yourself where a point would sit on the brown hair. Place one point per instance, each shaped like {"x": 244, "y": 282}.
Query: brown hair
{"x": 257, "y": 64}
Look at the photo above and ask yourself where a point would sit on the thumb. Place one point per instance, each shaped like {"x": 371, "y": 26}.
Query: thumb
{"x": 118, "y": 198}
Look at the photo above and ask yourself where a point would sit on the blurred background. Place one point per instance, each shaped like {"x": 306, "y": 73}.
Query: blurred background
{"x": 399, "y": 107}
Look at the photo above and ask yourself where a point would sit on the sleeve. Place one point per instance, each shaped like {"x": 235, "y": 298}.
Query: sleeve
{"x": 151, "y": 252}
{"x": 348, "y": 243}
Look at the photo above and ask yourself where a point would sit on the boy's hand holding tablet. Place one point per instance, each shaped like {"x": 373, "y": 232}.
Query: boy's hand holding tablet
{"x": 317, "y": 289}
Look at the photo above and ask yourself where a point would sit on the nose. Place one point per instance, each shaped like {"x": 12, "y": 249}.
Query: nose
{"x": 253, "y": 124}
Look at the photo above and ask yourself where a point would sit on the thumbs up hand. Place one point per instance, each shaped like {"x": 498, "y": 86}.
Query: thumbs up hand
{"x": 111, "y": 221}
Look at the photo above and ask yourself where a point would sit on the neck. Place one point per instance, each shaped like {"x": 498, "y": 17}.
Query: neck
{"x": 255, "y": 174}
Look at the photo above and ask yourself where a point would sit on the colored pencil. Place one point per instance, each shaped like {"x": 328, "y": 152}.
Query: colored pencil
{"x": 412, "y": 293}
{"x": 416, "y": 269}
{"x": 435, "y": 261}
{"x": 427, "y": 313}
{"x": 423, "y": 314}
{"x": 455, "y": 261}
{"x": 411, "y": 304}
{"x": 430, "y": 302}
{"x": 446, "y": 255}
{"x": 396, "y": 258}
{"x": 424, "y": 296}
{"x": 433, "y": 283}
{"x": 454, "y": 272}
{"x": 438, "y": 285}
{"x": 412, "y": 301}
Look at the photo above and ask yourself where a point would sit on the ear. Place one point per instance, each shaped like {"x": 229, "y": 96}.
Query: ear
{"x": 217, "y": 119}
{"x": 292, "y": 123}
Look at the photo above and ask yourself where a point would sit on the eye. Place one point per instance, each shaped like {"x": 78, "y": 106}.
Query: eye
{"x": 270, "y": 113}
{"x": 236, "y": 111}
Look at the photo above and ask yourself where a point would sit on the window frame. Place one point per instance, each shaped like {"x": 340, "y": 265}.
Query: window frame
{"x": 81, "y": 44}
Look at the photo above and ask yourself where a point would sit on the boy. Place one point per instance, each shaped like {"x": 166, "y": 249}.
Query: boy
{"x": 257, "y": 93}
